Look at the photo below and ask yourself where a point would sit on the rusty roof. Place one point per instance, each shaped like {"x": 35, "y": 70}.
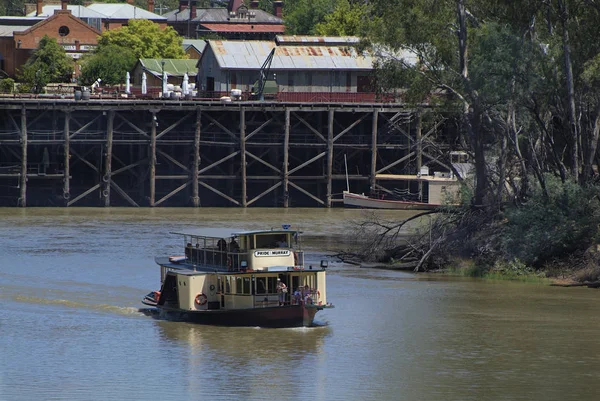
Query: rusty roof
{"x": 244, "y": 27}
{"x": 244, "y": 55}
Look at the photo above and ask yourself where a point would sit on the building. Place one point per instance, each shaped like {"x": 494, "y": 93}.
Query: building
{"x": 299, "y": 65}
{"x": 175, "y": 69}
{"x": 194, "y": 47}
{"x": 18, "y": 43}
{"x": 237, "y": 21}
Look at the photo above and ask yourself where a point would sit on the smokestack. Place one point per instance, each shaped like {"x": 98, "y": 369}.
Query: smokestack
{"x": 254, "y": 4}
{"x": 64, "y": 4}
{"x": 38, "y": 8}
{"x": 278, "y": 9}
{"x": 151, "y": 6}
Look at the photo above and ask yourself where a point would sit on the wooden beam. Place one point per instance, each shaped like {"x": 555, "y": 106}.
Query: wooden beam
{"x": 234, "y": 154}
{"x": 80, "y": 130}
{"x": 67, "y": 171}
{"x": 258, "y": 159}
{"x": 83, "y": 195}
{"x": 372, "y": 180}
{"x": 129, "y": 167}
{"x": 243, "y": 155}
{"x": 195, "y": 175}
{"x": 218, "y": 124}
{"x": 172, "y": 126}
{"x": 330, "y": 140}
{"x": 173, "y": 192}
{"x": 230, "y": 199}
{"x": 123, "y": 193}
{"x": 153, "y": 159}
{"x": 306, "y": 163}
{"x": 314, "y": 131}
{"x": 389, "y": 166}
{"x": 277, "y": 185}
{"x": 108, "y": 161}
{"x": 256, "y": 131}
{"x": 419, "y": 151}
{"x": 286, "y": 159}
{"x": 173, "y": 160}
{"x": 305, "y": 192}
{"x": 82, "y": 158}
{"x": 354, "y": 124}
{"x": 23, "y": 183}
{"x": 130, "y": 124}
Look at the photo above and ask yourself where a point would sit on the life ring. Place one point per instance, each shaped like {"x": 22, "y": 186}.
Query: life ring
{"x": 229, "y": 262}
{"x": 201, "y": 299}
{"x": 156, "y": 296}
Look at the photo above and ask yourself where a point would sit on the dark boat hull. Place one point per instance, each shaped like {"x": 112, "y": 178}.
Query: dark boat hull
{"x": 278, "y": 316}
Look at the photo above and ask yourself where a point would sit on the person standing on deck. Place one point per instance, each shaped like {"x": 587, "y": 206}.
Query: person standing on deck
{"x": 281, "y": 290}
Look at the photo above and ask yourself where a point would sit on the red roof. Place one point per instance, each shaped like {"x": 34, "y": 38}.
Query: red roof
{"x": 244, "y": 28}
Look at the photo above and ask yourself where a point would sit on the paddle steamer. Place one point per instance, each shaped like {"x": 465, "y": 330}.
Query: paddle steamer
{"x": 250, "y": 278}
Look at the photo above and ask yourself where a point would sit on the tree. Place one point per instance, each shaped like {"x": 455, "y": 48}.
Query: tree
{"x": 145, "y": 39}
{"x": 110, "y": 63}
{"x": 49, "y": 63}
{"x": 347, "y": 19}
{"x": 302, "y": 16}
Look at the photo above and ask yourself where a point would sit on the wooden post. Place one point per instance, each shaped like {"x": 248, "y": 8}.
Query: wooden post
{"x": 67, "y": 166}
{"x": 373, "y": 181}
{"x": 329, "y": 156}
{"x": 419, "y": 153}
{"x": 23, "y": 183}
{"x": 286, "y": 159}
{"x": 243, "y": 154}
{"x": 195, "y": 176}
{"x": 108, "y": 158}
{"x": 153, "y": 159}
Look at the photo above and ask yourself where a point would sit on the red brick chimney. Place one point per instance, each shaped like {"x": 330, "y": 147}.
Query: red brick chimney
{"x": 254, "y": 4}
{"x": 183, "y": 4}
{"x": 63, "y": 4}
{"x": 151, "y": 6}
{"x": 193, "y": 11}
{"x": 130, "y": 2}
{"x": 278, "y": 9}
{"x": 38, "y": 8}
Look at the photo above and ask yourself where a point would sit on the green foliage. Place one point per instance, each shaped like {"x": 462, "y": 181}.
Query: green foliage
{"x": 7, "y": 85}
{"x": 347, "y": 19}
{"x": 145, "y": 39}
{"x": 110, "y": 63}
{"x": 49, "y": 63}
{"x": 302, "y": 16}
{"x": 552, "y": 225}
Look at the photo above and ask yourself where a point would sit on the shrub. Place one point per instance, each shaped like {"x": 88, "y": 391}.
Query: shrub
{"x": 7, "y": 85}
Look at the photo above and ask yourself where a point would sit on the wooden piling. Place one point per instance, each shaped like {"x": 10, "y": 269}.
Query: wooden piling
{"x": 23, "y": 183}
{"x": 153, "y": 159}
{"x": 67, "y": 166}
{"x": 108, "y": 158}
{"x": 372, "y": 180}
{"x": 329, "y": 156}
{"x": 419, "y": 152}
{"x": 195, "y": 175}
{"x": 243, "y": 155}
{"x": 286, "y": 159}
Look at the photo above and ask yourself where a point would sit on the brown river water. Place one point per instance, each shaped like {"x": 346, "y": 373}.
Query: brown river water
{"x": 72, "y": 326}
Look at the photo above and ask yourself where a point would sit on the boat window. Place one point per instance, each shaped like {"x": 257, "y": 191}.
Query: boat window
{"x": 261, "y": 285}
{"x": 272, "y": 285}
{"x": 220, "y": 284}
{"x": 227, "y": 285}
{"x": 238, "y": 285}
{"x": 272, "y": 241}
{"x": 247, "y": 285}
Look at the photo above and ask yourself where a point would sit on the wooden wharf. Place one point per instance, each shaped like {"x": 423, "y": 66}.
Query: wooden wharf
{"x": 139, "y": 152}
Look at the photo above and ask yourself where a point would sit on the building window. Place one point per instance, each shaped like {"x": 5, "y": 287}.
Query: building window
{"x": 63, "y": 30}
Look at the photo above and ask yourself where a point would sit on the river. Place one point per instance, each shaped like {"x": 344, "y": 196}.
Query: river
{"x": 73, "y": 328}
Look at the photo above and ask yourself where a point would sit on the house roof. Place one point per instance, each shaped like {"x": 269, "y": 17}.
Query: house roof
{"x": 243, "y": 27}
{"x": 244, "y": 55}
{"x": 198, "y": 44}
{"x": 173, "y": 67}
{"x": 58, "y": 14}
{"x": 221, "y": 15}
{"x": 77, "y": 11}
{"x": 124, "y": 11}
{"x": 8, "y": 31}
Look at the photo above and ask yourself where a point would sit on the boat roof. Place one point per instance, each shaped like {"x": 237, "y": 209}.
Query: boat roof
{"x": 240, "y": 233}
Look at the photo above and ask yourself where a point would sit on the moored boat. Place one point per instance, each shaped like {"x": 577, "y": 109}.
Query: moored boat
{"x": 251, "y": 278}
{"x": 366, "y": 202}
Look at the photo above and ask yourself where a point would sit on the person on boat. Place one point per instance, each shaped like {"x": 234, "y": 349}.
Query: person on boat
{"x": 222, "y": 245}
{"x": 298, "y": 296}
{"x": 281, "y": 290}
{"x": 233, "y": 245}
{"x": 307, "y": 295}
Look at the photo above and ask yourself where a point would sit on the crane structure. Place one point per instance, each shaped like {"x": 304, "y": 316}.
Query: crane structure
{"x": 259, "y": 86}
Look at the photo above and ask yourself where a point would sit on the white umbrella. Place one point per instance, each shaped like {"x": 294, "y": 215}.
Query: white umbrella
{"x": 144, "y": 84}
{"x": 127, "y": 83}
{"x": 164, "y": 84}
{"x": 184, "y": 86}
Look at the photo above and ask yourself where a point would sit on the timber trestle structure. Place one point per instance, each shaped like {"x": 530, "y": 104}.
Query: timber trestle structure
{"x": 61, "y": 152}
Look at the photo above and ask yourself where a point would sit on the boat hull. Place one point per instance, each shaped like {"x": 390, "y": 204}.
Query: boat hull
{"x": 365, "y": 202}
{"x": 279, "y": 316}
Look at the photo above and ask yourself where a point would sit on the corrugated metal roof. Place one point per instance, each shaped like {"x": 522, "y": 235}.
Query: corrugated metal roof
{"x": 319, "y": 40}
{"x": 8, "y": 31}
{"x": 220, "y": 15}
{"x": 173, "y": 67}
{"x": 77, "y": 11}
{"x": 243, "y": 27}
{"x": 199, "y": 44}
{"x": 124, "y": 11}
{"x": 252, "y": 55}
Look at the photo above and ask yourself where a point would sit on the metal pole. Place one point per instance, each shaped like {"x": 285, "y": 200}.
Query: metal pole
{"x": 108, "y": 160}
{"x": 373, "y": 182}
{"x": 23, "y": 182}
{"x": 67, "y": 167}
{"x": 329, "y": 157}
{"x": 153, "y": 159}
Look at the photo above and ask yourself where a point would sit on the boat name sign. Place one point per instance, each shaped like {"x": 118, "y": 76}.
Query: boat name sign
{"x": 283, "y": 252}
